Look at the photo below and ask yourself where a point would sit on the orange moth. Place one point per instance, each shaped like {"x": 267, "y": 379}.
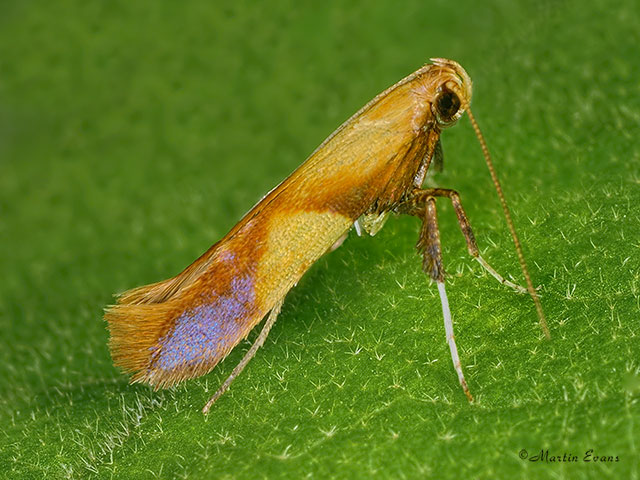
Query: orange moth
{"x": 372, "y": 165}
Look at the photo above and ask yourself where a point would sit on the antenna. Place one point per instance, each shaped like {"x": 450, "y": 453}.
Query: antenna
{"x": 505, "y": 209}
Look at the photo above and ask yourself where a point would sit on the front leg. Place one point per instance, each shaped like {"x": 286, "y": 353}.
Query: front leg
{"x": 418, "y": 200}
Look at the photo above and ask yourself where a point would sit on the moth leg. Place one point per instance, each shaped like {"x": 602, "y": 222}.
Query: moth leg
{"x": 451, "y": 339}
{"x": 420, "y": 196}
{"x": 271, "y": 319}
{"x": 339, "y": 242}
{"x": 429, "y": 245}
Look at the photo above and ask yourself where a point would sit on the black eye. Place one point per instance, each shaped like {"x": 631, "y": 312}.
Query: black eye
{"x": 447, "y": 105}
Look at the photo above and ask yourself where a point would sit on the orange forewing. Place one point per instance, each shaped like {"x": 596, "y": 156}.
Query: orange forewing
{"x": 182, "y": 327}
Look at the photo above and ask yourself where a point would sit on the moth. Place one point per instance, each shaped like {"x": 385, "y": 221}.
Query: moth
{"x": 373, "y": 165}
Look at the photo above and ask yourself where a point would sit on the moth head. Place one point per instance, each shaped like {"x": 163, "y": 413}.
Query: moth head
{"x": 453, "y": 92}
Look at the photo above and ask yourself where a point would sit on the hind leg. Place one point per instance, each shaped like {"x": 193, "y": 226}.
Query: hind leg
{"x": 271, "y": 319}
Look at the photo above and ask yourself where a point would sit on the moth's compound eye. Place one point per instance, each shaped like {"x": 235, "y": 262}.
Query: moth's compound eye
{"x": 447, "y": 105}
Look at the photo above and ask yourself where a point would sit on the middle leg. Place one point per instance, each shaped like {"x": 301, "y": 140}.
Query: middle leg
{"x": 429, "y": 245}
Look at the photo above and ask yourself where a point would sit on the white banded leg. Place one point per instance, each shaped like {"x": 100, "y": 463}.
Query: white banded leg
{"x": 497, "y": 276}
{"x": 451, "y": 340}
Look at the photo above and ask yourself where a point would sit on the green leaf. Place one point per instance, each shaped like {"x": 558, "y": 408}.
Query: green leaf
{"x": 133, "y": 135}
